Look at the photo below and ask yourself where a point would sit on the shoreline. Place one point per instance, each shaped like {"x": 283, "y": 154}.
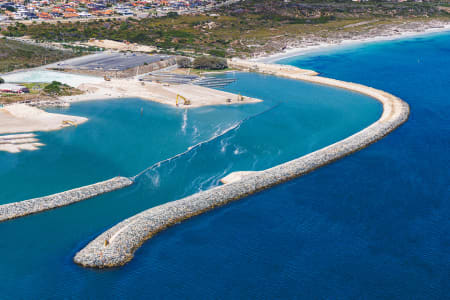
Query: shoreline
{"x": 167, "y": 94}
{"x": 22, "y": 118}
{"x": 116, "y": 246}
{"x": 19, "y": 121}
{"x": 305, "y": 48}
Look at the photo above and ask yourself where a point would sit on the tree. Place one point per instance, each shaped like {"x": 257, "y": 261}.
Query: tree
{"x": 184, "y": 62}
{"x": 2, "y": 80}
{"x": 210, "y": 63}
{"x": 53, "y": 88}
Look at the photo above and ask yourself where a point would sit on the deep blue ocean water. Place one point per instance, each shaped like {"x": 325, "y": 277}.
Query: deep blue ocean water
{"x": 372, "y": 225}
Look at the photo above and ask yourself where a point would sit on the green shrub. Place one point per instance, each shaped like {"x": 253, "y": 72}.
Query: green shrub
{"x": 210, "y": 63}
{"x": 172, "y": 14}
{"x": 53, "y": 88}
{"x": 2, "y": 80}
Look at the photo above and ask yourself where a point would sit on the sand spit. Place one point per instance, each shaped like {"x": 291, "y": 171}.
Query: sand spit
{"x": 265, "y": 68}
{"x": 32, "y": 206}
{"x": 162, "y": 93}
{"x": 16, "y": 118}
{"x": 236, "y": 176}
{"x": 116, "y": 246}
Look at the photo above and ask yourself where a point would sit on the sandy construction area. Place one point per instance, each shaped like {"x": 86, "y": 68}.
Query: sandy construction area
{"x": 17, "y": 118}
{"x": 162, "y": 93}
{"x": 20, "y": 118}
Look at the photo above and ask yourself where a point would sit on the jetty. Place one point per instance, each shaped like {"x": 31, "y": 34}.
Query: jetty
{"x": 27, "y": 207}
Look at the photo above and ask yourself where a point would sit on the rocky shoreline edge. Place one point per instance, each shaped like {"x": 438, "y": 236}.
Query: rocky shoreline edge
{"x": 23, "y": 208}
{"x": 116, "y": 246}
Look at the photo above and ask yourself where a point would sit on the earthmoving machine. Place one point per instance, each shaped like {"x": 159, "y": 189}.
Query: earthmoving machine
{"x": 69, "y": 123}
{"x": 186, "y": 101}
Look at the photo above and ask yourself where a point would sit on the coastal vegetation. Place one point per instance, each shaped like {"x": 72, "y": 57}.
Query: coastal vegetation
{"x": 201, "y": 65}
{"x": 243, "y": 28}
{"x": 184, "y": 62}
{"x": 56, "y": 88}
{"x": 209, "y": 63}
{"x": 17, "y": 55}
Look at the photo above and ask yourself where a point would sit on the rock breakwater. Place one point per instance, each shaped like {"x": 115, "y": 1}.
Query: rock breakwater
{"x": 116, "y": 246}
{"x": 32, "y": 206}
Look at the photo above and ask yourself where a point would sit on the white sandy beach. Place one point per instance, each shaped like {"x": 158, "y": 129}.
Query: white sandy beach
{"x": 21, "y": 118}
{"x": 303, "y": 47}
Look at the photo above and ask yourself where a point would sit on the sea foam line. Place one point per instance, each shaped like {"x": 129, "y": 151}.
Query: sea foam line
{"x": 215, "y": 136}
{"x": 116, "y": 246}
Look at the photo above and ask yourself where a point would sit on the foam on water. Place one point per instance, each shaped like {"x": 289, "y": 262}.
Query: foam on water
{"x": 184, "y": 124}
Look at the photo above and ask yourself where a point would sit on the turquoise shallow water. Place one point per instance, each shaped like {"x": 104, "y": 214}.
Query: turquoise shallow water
{"x": 117, "y": 140}
{"x": 373, "y": 225}
{"x": 295, "y": 118}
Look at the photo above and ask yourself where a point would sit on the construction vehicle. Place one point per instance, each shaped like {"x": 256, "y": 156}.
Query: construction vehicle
{"x": 106, "y": 78}
{"x": 69, "y": 123}
{"x": 186, "y": 101}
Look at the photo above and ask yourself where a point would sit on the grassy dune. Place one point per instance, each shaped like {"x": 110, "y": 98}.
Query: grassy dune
{"x": 16, "y": 55}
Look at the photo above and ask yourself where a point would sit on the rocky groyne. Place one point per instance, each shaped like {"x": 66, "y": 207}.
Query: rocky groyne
{"x": 32, "y": 206}
{"x": 116, "y": 246}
